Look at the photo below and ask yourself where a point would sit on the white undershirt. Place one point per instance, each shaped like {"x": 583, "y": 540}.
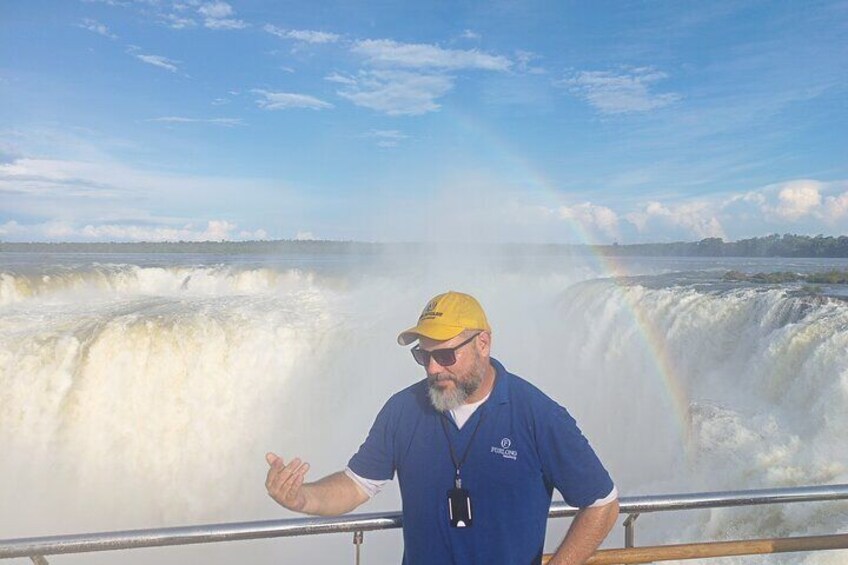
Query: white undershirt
{"x": 461, "y": 414}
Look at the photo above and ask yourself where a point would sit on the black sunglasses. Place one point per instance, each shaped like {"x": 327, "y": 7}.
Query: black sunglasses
{"x": 444, "y": 357}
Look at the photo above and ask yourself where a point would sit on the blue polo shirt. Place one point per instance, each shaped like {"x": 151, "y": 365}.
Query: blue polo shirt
{"x": 526, "y": 446}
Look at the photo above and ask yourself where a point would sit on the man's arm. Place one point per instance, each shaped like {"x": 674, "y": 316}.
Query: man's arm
{"x": 334, "y": 494}
{"x": 588, "y": 529}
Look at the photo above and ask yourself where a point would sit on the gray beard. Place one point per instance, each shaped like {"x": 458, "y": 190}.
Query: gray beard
{"x": 446, "y": 400}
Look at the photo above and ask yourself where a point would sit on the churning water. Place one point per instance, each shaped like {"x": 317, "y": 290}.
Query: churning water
{"x": 143, "y": 391}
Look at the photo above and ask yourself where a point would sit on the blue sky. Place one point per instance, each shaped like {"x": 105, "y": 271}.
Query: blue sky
{"x": 528, "y": 121}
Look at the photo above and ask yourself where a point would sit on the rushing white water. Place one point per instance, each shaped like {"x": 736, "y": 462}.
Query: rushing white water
{"x": 146, "y": 395}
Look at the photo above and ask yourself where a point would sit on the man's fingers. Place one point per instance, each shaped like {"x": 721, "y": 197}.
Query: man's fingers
{"x": 277, "y": 466}
{"x": 291, "y": 472}
{"x": 284, "y": 482}
{"x": 280, "y": 476}
{"x": 298, "y": 479}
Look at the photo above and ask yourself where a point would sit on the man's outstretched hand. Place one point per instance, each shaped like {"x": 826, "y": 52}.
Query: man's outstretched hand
{"x": 285, "y": 482}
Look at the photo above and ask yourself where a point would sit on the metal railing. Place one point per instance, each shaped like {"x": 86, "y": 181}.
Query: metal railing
{"x": 633, "y": 506}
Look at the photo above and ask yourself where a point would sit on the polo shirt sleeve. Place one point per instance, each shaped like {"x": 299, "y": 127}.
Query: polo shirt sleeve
{"x": 375, "y": 458}
{"x": 568, "y": 461}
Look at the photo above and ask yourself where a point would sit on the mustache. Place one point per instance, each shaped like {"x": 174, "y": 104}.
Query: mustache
{"x": 439, "y": 377}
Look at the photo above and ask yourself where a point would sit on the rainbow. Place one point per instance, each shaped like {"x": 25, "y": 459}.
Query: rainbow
{"x": 653, "y": 338}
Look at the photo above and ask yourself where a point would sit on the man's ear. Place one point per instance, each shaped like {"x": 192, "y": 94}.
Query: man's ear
{"x": 484, "y": 342}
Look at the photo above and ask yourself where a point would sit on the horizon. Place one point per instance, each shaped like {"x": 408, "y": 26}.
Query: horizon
{"x": 314, "y": 241}
{"x": 539, "y": 123}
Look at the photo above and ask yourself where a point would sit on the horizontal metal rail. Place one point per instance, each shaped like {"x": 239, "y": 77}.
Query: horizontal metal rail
{"x": 186, "y": 535}
{"x": 708, "y": 550}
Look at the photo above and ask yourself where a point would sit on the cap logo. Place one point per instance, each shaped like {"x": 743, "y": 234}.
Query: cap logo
{"x": 429, "y": 312}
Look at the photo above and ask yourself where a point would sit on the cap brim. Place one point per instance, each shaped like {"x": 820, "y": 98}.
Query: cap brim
{"x": 439, "y": 332}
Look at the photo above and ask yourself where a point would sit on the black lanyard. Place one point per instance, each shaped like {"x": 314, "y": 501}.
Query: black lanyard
{"x": 458, "y": 464}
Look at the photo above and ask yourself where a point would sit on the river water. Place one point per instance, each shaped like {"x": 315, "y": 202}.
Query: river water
{"x": 143, "y": 390}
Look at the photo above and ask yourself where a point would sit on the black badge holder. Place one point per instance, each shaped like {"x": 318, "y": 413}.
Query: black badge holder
{"x": 459, "y": 500}
{"x": 459, "y": 507}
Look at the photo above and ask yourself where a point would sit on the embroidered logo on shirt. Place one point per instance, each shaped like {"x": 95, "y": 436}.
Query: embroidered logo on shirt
{"x": 504, "y": 450}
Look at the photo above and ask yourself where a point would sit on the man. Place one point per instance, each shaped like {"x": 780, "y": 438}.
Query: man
{"x": 477, "y": 452}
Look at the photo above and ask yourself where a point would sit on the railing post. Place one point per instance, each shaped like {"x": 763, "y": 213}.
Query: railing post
{"x": 358, "y": 538}
{"x": 39, "y": 560}
{"x": 630, "y": 530}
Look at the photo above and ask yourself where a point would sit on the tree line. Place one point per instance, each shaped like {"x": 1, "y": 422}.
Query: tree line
{"x": 775, "y": 245}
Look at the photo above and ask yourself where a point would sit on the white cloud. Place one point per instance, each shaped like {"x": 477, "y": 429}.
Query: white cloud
{"x": 797, "y": 199}
{"x": 309, "y": 36}
{"x": 45, "y": 177}
{"x": 286, "y": 100}
{"x": 398, "y": 93}
{"x": 386, "y": 134}
{"x": 386, "y": 138}
{"x": 228, "y": 122}
{"x": 211, "y": 230}
{"x": 304, "y": 236}
{"x": 409, "y": 78}
{"x": 216, "y": 10}
{"x": 619, "y": 92}
{"x": 542, "y": 218}
{"x": 523, "y": 60}
{"x": 303, "y": 35}
{"x": 214, "y": 230}
{"x": 63, "y": 230}
{"x": 109, "y": 192}
{"x": 753, "y": 197}
{"x": 122, "y": 3}
{"x": 591, "y": 217}
{"x": 696, "y": 218}
{"x": 340, "y": 79}
{"x": 56, "y": 198}
{"x": 97, "y": 27}
{"x": 224, "y": 24}
{"x": 158, "y": 61}
{"x": 801, "y": 202}
{"x": 471, "y": 34}
{"x": 424, "y": 56}
{"x": 274, "y": 30}
{"x": 10, "y": 228}
{"x": 217, "y": 15}
{"x": 8, "y": 151}
{"x": 836, "y": 207}
{"x": 57, "y": 230}
{"x": 798, "y": 206}
{"x": 175, "y": 21}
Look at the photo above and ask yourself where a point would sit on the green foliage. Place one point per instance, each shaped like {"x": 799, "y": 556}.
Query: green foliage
{"x": 764, "y": 278}
{"x": 787, "y": 245}
{"x": 825, "y": 277}
{"x": 774, "y": 245}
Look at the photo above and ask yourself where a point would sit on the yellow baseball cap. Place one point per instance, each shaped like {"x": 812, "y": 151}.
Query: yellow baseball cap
{"x": 445, "y": 317}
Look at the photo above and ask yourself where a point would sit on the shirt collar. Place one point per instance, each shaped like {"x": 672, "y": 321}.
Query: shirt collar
{"x": 500, "y": 394}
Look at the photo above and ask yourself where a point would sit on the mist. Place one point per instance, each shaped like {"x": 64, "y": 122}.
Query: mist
{"x": 139, "y": 396}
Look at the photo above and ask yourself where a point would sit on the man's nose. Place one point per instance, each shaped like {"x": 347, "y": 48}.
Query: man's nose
{"x": 433, "y": 366}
